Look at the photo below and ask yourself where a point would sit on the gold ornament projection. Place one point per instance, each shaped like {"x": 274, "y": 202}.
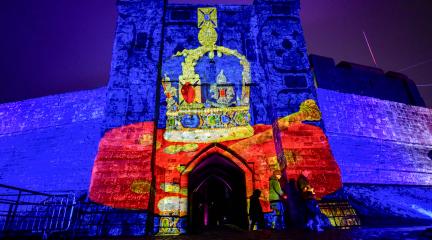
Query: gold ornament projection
{"x": 140, "y": 186}
{"x": 220, "y": 121}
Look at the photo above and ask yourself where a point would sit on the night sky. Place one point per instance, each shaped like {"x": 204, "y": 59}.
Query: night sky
{"x": 55, "y": 46}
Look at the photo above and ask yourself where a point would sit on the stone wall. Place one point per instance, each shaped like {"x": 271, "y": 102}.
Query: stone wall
{"x": 49, "y": 143}
{"x": 365, "y": 80}
{"x": 377, "y": 141}
{"x": 50, "y": 111}
{"x": 133, "y": 84}
{"x": 386, "y": 205}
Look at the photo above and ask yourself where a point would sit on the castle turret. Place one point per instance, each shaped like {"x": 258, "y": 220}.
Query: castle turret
{"x": 131, "y": 94}
{"x": 283, "y": 55}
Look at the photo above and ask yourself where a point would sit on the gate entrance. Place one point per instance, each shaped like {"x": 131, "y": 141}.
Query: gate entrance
{"x": 217, "y": 195}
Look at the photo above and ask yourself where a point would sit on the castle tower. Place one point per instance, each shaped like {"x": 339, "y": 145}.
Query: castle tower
{"x": 208, "y": 99}
{"x": 131, "y": 95}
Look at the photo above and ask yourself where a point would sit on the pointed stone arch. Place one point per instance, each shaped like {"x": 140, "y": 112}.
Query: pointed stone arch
{"x": 225, "y": 152}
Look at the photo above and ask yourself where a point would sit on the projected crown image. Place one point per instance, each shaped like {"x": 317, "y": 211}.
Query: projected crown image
{"x": 208, "y": 100}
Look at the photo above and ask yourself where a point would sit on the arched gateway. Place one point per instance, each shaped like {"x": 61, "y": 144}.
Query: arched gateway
{"x": 217, "y": 194}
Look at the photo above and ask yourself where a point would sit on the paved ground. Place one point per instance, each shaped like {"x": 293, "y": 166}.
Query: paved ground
{"x": 364, "y": 233}
{"x": 407, "y": 233}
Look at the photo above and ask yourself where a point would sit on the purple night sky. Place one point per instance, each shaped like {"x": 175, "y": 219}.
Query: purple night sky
{"x": 52, "y": 46}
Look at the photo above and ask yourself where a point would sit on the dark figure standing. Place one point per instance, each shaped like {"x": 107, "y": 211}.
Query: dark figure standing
{"x": 255, "y": 211}
{"x": 312, "y": 209}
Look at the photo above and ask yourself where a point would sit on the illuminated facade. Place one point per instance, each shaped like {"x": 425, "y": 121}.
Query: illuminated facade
{"x": 203, "y": 103}
{"x": 235, "y": 99}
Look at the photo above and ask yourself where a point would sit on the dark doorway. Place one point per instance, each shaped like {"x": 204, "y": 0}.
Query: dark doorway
{"x": 217, "y": 195}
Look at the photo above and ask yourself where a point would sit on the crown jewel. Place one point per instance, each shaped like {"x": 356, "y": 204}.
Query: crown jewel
{"x": 202, "y": 107}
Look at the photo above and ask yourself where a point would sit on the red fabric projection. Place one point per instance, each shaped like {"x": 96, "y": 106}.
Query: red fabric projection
{"x": 121, "y": 174}
{"x": 307, "y": 152}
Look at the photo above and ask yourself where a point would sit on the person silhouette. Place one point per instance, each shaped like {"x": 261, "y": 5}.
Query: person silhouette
{"x": 313, "y": 212}
{"x": 256, "y": 214}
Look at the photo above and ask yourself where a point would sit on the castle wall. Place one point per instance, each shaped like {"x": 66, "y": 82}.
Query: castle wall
{"x": 377, "y": 141}
{"x": 364, "y": 80}
{"x": 373, "y": 140}
{"x": 49, "y": 143}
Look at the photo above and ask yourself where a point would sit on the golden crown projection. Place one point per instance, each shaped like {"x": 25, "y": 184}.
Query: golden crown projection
{"x": 224, "y": 114}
